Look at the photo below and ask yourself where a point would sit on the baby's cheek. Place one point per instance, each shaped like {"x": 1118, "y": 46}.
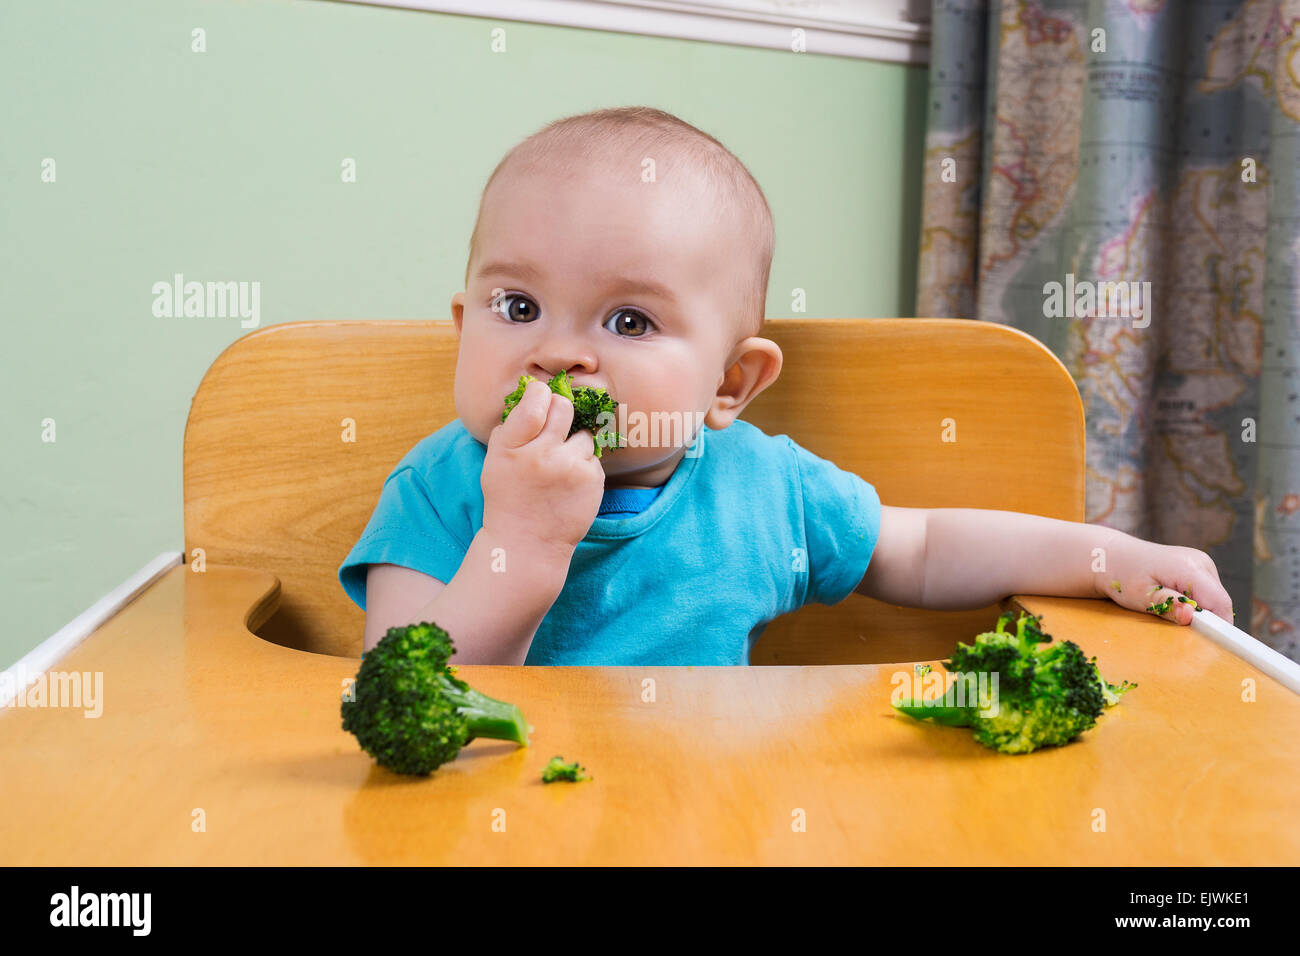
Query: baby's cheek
{"x": 484, "y": 424}
{"x": 658, "y": 437}
{"x": 478, "y": 417}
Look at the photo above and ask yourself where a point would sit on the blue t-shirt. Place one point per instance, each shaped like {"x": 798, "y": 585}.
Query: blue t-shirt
{"x": 748, "y": 527}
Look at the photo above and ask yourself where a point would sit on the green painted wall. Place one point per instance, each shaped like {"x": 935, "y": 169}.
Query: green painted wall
{"x": 225, "y": 165}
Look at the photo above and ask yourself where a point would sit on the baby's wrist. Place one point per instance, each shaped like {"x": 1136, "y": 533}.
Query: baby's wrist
{"x": 1107, "y": 582}
{"x": 529, "y": 549}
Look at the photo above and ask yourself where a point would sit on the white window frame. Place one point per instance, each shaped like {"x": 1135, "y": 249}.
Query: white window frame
{"x": 896, "y": 31}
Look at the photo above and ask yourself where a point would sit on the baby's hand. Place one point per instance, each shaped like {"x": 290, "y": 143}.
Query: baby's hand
{"x": 538, "y": 487}
{"x": 1166, "y": 580}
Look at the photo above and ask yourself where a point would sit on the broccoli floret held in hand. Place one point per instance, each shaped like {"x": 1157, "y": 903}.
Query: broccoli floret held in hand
{"x": 1046, "y": 694}
{"x": 410, "y": 711}
{"x": 593, "y": 409}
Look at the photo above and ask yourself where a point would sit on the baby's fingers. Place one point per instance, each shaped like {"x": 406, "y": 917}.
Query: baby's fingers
{"x": 1166, "y": 603}
{"x": 527, "y": 419}
{"x": 1199, "y": 589}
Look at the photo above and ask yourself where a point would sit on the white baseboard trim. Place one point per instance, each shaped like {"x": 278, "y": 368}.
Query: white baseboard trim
{"x": 863, "y": 29}
{"x": 51, "y": 650}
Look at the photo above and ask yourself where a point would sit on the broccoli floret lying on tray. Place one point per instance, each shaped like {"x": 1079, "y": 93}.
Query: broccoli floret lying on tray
{"x": 1047, "y": 693}
{"x": 412, "y": 714}
{"x": 593, "y": 409}
{"x": 557, "y": 769}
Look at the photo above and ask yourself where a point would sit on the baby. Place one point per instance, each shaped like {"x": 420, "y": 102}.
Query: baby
{"x": 632, "y": 250}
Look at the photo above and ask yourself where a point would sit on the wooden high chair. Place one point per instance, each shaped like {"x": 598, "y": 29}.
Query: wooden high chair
{"x": 932, "y": 412}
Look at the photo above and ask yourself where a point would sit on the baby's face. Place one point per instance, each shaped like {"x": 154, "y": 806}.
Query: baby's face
{"x": 629, "y": 286}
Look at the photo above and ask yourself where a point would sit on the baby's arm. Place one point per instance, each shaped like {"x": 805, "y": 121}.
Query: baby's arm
{"x": 959, "y": 558}
{"x": 896, "y": 571}
{"x": 541, "y": 492}
{"x": 491, "y": 608}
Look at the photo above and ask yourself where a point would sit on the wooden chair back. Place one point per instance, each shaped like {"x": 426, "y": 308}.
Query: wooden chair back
{"x": 936, "y": 413}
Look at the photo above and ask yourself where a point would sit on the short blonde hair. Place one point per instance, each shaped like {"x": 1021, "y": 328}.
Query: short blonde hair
{"x": 645, "y": 131}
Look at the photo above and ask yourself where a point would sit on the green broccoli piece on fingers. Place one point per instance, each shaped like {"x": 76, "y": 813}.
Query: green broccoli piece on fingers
{"x": 1031, "y": 693}
{"x": 593, "y": 409}
{"x": 1162, "y": 607}
{"x": 411, "y": 713}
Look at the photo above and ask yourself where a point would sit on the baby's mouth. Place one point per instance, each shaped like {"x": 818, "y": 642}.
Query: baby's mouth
{"x": 592, "y": 407}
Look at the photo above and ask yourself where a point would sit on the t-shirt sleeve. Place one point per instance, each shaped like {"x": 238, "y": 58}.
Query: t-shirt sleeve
{"x": 841, "y": 517}
{"x": 405, "y": 529}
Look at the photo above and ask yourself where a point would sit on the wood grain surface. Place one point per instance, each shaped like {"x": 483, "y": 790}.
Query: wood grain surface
{"x": 198, "y": 713}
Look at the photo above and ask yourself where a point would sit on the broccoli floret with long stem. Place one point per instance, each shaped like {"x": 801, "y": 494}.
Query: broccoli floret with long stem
{"x": 557, "y": 769}
{"x": 1046, "y": 694}
{"x": 411, "y": 713}
{"x": 593, "y": 409}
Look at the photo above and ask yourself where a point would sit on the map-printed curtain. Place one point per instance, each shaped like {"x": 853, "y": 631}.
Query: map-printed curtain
{"x": 1121, "y": 180}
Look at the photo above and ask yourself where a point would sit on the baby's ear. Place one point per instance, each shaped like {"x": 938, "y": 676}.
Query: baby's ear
{"x": 755, "y": 364}
{"x": 458, "y": 310}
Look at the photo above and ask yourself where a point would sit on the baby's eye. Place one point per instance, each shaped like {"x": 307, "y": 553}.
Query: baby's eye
{"x": 515, "y": 306}
{"x": 629, "y": 323}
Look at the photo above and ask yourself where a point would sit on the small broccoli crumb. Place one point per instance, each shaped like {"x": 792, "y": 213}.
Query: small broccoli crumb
{"x": 557, "y": 769}
{"x": 923, "y": 669}
{"x": 1116, "y": 586}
